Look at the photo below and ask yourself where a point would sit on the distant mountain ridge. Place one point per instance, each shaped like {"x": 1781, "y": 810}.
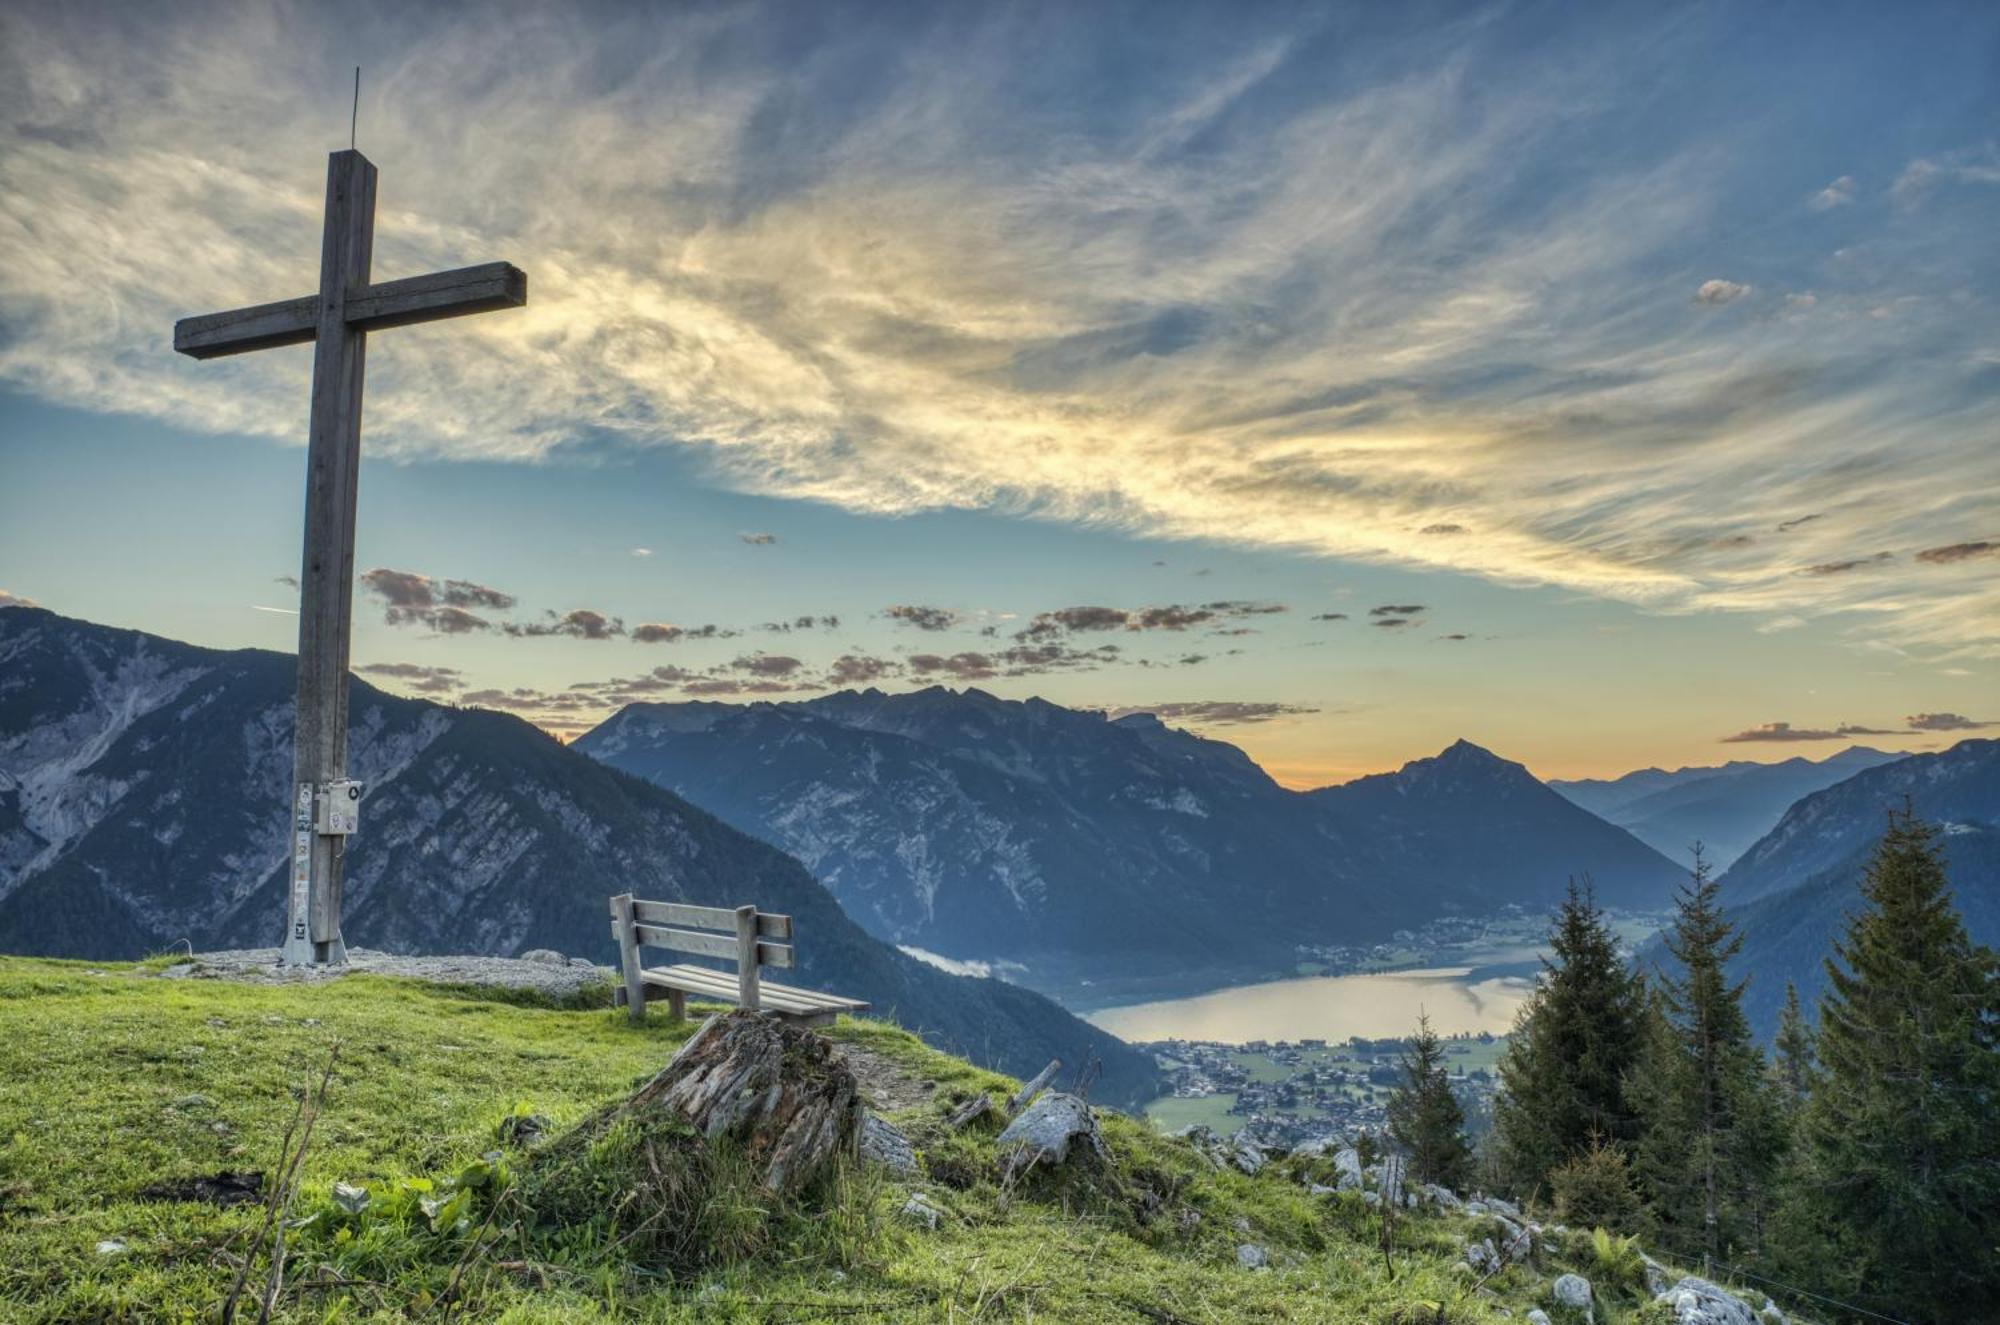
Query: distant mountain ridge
{"x": 1789, "y": 893}
{"x": 142, "y": 802}
{"x": 1091, "y": 849}
{"x": 1725, "y": 807}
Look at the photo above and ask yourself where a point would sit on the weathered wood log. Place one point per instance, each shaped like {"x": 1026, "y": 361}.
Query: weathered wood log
{"x": 974, "y": 1108}
{"x": 776, "y": 1090}
{"x": 1033, "y": 1087}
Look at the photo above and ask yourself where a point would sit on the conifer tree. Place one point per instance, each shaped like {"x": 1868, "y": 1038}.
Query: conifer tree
{"x": 1895, "y": 1203}
{"x": 1573, "y": 1042}
{"x": 1792, "y": 1065}
{"x": 1710, "y": 1131}
{"x": 1425, "y": 1117}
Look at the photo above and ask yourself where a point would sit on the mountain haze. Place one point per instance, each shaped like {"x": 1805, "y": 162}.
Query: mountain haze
{"x": 142, "y": 801}
{"x": 1093, "y": 851}
{"x": 1726, "y": 808}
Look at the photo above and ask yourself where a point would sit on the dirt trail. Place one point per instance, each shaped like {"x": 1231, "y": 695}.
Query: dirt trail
{"x": 886, "y": 1084}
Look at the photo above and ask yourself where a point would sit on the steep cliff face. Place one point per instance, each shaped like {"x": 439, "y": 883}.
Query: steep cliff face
{"x": 142, "y": 801}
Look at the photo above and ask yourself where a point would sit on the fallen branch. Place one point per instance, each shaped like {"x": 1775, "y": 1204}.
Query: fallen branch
{"x": 1033, "y": 1087}
{"x": 976, "y": 1107}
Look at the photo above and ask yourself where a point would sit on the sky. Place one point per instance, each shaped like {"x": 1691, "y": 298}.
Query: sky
{"x": 1610, "y": 386}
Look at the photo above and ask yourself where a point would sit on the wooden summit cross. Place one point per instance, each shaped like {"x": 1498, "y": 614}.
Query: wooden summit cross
{"x": 337, "y": 320}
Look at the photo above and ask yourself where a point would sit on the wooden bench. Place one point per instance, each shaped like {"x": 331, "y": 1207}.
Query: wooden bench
{"x": 750, "y": 938}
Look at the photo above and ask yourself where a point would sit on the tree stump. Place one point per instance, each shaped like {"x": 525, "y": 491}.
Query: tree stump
{"x": 776, "y": 1090}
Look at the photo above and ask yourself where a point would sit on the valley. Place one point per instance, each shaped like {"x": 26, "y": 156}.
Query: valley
{"x": 1319, "y": 1053}
{"x": 1290, "y": 1091}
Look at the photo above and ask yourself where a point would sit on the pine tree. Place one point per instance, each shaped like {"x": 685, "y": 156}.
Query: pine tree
{"x": 1710, "y": 1130}
{"x": 1425, "y": 1117}
{"x": 1658, "y": 1090}
{"x": 1895, "y": 1200}
{"x": 1573, "y": 1042}
{"x": 1792, "y": 1067}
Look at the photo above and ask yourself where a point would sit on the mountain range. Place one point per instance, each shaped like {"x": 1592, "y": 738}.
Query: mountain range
{"x": 1090, "y": 854}
{"x": 143, "y": 801}
{"x": 1726, "y": 807}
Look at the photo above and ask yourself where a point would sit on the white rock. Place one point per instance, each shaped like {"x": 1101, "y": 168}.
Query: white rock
{"x": 1246, "y": 1157}
{"x": 1252, "y": 1257}
{"x": 1049, "y": 1131}
{"x": 1696, "y": 1301}
{"x": 1507, "y": 1208}
{"x": 1572, "y": 1290}
{"x": 1347, "y": 1163}
{"x": 110, "y": 1246}
{"x": 1537, "y": 1316}
{"x": 920, "y": 1211}
{"x": 544, "y": 957}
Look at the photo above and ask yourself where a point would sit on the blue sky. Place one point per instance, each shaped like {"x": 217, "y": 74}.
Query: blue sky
{"x": 1655, "y": 354}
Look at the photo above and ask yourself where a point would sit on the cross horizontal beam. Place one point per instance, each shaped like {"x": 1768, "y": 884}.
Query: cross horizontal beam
{"x": 441, "y": 294}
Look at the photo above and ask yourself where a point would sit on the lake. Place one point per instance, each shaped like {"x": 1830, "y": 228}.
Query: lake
{"x": 1332, "y": 1007}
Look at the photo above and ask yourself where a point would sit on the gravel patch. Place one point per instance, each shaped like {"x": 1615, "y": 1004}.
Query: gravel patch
{"x": 559, "y": 978}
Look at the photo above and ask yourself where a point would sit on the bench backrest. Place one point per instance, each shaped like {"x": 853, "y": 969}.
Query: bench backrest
{"x": 750, "y": 938}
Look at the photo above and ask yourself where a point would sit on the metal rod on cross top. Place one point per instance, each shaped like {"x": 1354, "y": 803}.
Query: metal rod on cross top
{"x": 337, "y": 321}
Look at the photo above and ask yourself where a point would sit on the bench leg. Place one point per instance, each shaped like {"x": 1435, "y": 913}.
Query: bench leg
{"x": 623, "y": 920}
{"x": 677, "y": 1004}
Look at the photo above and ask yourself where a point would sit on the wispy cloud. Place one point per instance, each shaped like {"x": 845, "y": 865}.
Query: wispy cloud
{"x": 666, "y": 632}
{"x": 1837, "y": 194}
{"x": 1718, "y": 292}
{"x": 1215, "y": 712}
{"x": 922, "y": 617}
{"x": 1249, "y": 306}
{"x": 1951, "y": 552}
{"x": 409, "y": 598}
{"x": 1780, "y": 732}
{"x": 1944, "y": 722}
{"x": 420, "y": 677}
{"x": 578, "y": 623}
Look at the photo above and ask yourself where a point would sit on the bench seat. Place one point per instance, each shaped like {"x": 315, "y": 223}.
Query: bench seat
{"x": 750, "y": 938}
{"x": 806, "y": 1006}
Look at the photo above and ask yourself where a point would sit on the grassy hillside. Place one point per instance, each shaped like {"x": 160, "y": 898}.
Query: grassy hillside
{"x": 113, "y": 1079}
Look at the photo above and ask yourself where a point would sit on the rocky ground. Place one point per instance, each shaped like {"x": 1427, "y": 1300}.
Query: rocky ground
{"x": 543, "y": 969}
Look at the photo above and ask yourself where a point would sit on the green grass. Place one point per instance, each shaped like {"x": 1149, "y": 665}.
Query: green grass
{"x": 1170, "y": 1114}
{"x": 111, "y": 1080}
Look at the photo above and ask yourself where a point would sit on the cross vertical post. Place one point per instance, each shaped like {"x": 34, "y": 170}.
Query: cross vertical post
{"x": 337, "y": 321}
{"x": 326, "y": 571}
